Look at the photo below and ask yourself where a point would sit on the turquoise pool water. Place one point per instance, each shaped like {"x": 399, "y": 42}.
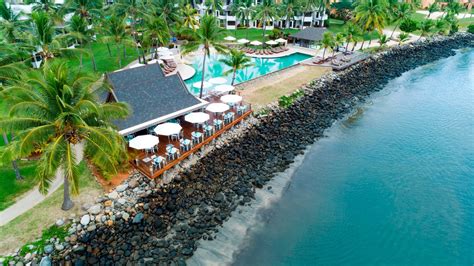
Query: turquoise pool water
{"x": 262, "y": 66}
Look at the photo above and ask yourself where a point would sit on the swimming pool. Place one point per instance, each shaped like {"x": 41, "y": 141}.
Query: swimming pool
{"x": 261, "y": 66}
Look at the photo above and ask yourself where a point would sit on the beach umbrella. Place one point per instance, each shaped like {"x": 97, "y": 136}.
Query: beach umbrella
{"x": 219, "y": 80}
{"x": 162, "y": 49}
{"x": 243, "y": 41}
{"x": 168, "y": 129}
{"x": 197, "y": 117}
{"x": 143, "y": 142}
{"x": 217, "y": 107}
{"x": 205, "y": 85}
{"x": 271, "y": 42}
{"x": 280, "y": 40}
{"x": 229, "y": 38}
{"x": 231, "y": 98}
{"x": 256, "y": 43}
{"x": 167, "y": 57}
{"x": 224, "y": 88}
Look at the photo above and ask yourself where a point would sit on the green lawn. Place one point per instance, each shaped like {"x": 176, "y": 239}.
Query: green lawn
{"x": 10, "y": 188}
{"x": 104, "y": 61}
{"x": 336, "y": 26}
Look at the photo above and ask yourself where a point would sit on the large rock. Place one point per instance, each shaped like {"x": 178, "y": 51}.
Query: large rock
{"x": 94, "y": 209}
{"x": 122, "y": 188}
{"x": 45, "y": 261}
{"x": 85, "y": 220}
{"x": 113, "y": 195}
{"x": 138, "y": 218}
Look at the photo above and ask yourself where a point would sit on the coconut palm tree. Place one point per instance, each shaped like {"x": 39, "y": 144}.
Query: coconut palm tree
{"x": 432, "y": 8}
{"x": 371, "y": 15}
{"x": 116, "y": 32}
{"x": 213, "y": 6}
{"x": 54, "y": 109}
{"x": 307, "y": 6}
{"x": 45, "y": 5}
{"x": 327, "y": 42}
{"x": 350, "y": 31}
{"x": 338, "y": 41}
{"x": 453, "y": 8}
{"x": 441, "y": 26}
{"x": 265, "y": 12}
{"x": 80, "y": 32}
{"x": 401, "y": 12}
{"x": 244, "y": 10}
{"x": 156, "y": 33}
{"x": 132, "y": 9}
{"x": 383, "y": 40}
{"x": 289, "y": 9}
{"x": 426, "y": 27}
{"x": 209, "y": 35}
{"x": 236, "y": 61}
{"x": 189, "y": 17}
{"x": 87, "y": 9}
{"x": 43, "y": 37}
{"x": 167, "y": 9}
{"x": 10, "y": 23}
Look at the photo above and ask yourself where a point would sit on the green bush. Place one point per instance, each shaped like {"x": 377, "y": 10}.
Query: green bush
{"x": 470, "y": 28}
{"x": 286, "y": 101}
{"x": 408, "y": 25}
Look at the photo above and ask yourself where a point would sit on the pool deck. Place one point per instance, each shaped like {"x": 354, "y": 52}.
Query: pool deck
{"x": 293, "y": 50}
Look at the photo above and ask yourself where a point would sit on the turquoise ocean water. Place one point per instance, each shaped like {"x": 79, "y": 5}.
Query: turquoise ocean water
{"x": 393, "y": 184}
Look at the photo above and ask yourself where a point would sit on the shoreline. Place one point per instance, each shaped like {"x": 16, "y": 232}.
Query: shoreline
{"x": 165, "y": 224}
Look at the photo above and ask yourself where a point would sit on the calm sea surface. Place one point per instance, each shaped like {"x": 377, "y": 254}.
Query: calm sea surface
{"x": 393, "y": 184}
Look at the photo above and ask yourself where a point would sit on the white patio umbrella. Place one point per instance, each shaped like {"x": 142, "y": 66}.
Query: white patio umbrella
{"x": 205, "y": 85}
{"x": 243, "y": 41}
{"x": 280, "y": 40}
{"x": 256, "y": 43}
{"x": 161, "y": 49}
{"x": 229, "y": 38}
{"x": 217, "y": 107}
{"x": 271, "y": 42}
{"x": 167, "y": 57}
{"x": 168, "y": 129}
{"x": 197, "y": 117}
{"x": 224, "y": 88}
{"x": 231, "y": 98}
{"x": 143, "y": 142}
{"x": 219, "y": 80}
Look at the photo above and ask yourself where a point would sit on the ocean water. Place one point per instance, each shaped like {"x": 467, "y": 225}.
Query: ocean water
{"x": 259, "y": 67}
{"x": 391, "y": 184}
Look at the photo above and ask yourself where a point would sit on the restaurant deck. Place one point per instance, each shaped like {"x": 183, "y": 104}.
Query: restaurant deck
{"x": 139, "y": 159}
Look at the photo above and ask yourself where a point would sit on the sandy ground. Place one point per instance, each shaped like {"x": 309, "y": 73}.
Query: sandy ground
{"x": 269, "y": 88}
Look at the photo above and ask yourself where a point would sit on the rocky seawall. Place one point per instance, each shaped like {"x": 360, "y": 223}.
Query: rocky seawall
{"x": 143, "y": 223}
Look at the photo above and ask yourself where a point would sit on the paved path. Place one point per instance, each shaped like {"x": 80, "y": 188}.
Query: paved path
{"x": 34, "y": 197}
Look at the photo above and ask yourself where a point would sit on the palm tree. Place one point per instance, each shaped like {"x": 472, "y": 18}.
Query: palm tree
{"x": 209, "y": 35}
{"x": 403, "y": 37}
{"x": 10, "y": 22}
{"x": 131, "y": 9}
{"x": 441, "y": 26}
{"x": 115, "y": 32}
{"x": 87, "y": 9}
{"x": 383, "y": 40}
{"x": 213, "y": 6}
{"x": 44, "y": 38}
{"x": 45, "y": 5}
{"x": 350, "y": 31}
{"x": 244, "y": 10}
{"x": 265, "y": 12}
{"x": 402, "y": 12}
{"x": 327, "y": 42}
{"x": 53, "y": 110}
{"x": 156, "y": 33}
{"x": 167, "y": 9}
{"x": 306, "y": 6}
{"x": 189, "y": 19}
{"x": 453, "y": 8}
{"x": 371, "y": 15}
{"x": 338, "y": 40}
{"x": 289, "y": 10}
{"x": 426, "y": 27}
{"x": 82, "y": 34}
{"x": 432, "y": 8}
{"x": 236, "y": 61}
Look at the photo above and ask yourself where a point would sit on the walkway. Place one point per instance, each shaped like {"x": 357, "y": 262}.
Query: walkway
{"x": 34, "y": 197}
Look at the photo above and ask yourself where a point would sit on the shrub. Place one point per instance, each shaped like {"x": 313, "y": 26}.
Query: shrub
{"x": 408, "y": 25}
{"x": 285, "y": 101}
{"x": 470, "y": 28}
